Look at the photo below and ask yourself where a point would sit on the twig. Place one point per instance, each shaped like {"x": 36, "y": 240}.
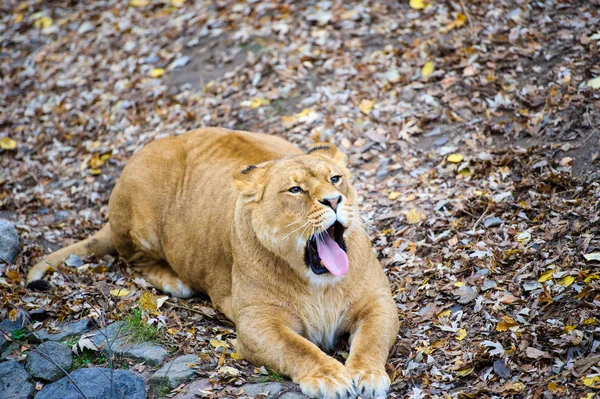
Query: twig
{"x": 594, "y": 130}
{"x": 189, "y": 309}
{"x": 480, "y": 217}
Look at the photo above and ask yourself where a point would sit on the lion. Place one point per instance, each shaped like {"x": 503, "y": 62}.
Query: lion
{"x": 272, "y": 235}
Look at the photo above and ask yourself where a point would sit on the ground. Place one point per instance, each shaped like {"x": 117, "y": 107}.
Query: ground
{"x": 471, "y": 129}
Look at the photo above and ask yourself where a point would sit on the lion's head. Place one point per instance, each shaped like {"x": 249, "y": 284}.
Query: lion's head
{"x": 303, "y": 209}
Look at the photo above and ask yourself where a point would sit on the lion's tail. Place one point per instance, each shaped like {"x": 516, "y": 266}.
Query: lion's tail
{"x": 99, "y": 244}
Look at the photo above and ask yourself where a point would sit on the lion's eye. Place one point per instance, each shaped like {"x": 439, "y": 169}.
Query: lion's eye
{"x": 336, "y": 179}
{"x": 295, "y": 190}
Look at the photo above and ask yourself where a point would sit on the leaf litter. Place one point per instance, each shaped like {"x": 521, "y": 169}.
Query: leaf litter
{"x": 471, "y": 129}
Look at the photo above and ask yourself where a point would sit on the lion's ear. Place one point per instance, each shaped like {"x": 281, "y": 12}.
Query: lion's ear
{"x": 330, "y": 152}
{"x": 249, "y": 181}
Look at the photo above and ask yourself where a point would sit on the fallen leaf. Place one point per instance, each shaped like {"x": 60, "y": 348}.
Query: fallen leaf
{"x": 506, "y": 324}
{"x": 566, "y": 281}
{"x": 394, "y": 194}
{"x": 7, "y": 143}
{"x": 455, "y": 158}
{"x": 547, "y": 275}
{"x": 553, "y": 387}
{"x": 464, "y": 372}
{"x": 258, "y": 102}
{"x": 592, "y": 256}
{"x": 217, "y": 343}
{"x": 418, "y": 4}
{"x": 461, "y": 334}
{"x": 523, "y": 237}
{"x": 535, "y": 353}
{"x": 229, "y": 371}
{"x": 467, "y": 294}
{"x": 157, "y": 72}
{"x": 236, "y": 356}
{"x": 147, "y": 301}
{"x": 592, "y": 382}
{"x": 366, "y": 106}
{"x": 415, "y": 216}
{"x": 594, "y": 83}
{"x": 120, "y": 292}
{"x": 427, "y": 69}
{"x": 43, "y": 22}
{"x": 139, "y": 3}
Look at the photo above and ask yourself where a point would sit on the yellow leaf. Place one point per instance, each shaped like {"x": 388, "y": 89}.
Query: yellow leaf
{"x": 236, "y": 356}
{"x": 18, "y": 18}
{"x": 461, "y": 334}
{"x": 414, "y": 216}
{"x": 445, "y": 313}
{"x": 394, "y": 194}
{"x": 387, "y": 232}
{"x": 594, "y": 83}
{"x": 547, "y": 275}
{"x": 591, "y": 277}
{"x": 589, "y": 322}
{"x": 139, "y": 3}
{"x": 464, "y": 372}
{"x": 8, "y": 144}
{"x": 592, "y": 256}
{"x": 13, "y": 315}
{"x": 455, "y": 158}
{"x": 148, "y": 302}
{"x": 217, "y": 343}
{"x": 506, "y": 324}
{"x": 120, "y": 292}
{"x": 566, "y": 281}
{"x": 95, "y": 171}
{"x": 427, "y": 69}
{"x": 418, "y": 4}
{"x": 461, "y": 20}
{"x": 366, "y": 106}
{"x": 459, "y": 284}
{"x": 588, "y": 396}
{"x": 553, "y": 387}
{"x": 259, "y": 102}
{"x": 157, "y": 72}
{"x": 514, "y": 386}
{"x": 593, "y": 382}
{"x": 568, "y": 329}
{"x": 177, "y": 3}
{"x": 43, "y": 22}
{"x": 171, "y": 331}
{"x": 523, "y": 237}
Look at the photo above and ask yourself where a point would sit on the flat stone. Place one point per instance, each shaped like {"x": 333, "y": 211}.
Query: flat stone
{"x": 175, "y": 372}
{"x": 8, "y": 326}
{"x": 492, "y": 221}
{"x": 12, "y": 346}
{"x": 95, "y": 384}
{"x": 14, "y": 381}
{"x": 40, "y": 367}
{"x": 293, "y": 395}
{"x": 123, "y": 344}
{"x": 73, "y": 261}
{"x": 193, "y": 389}
{"x": 65, "y": 330}
{"x": 269, "y": 390}
{"x": 9, "y": 241}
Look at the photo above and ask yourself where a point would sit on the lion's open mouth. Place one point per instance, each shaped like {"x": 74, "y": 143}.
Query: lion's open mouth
{"x": 326, "y": 251}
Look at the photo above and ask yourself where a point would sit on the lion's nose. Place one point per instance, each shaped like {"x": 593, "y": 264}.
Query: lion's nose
{"x": 332, "y": 202}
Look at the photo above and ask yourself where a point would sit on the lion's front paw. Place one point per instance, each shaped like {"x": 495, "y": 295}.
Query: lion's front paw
{"x": 328, "y": 382}
{"x": 371, "y": 384}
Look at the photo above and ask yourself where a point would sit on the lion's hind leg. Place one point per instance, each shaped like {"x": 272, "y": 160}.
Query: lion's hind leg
{"x": 160, "y": 275}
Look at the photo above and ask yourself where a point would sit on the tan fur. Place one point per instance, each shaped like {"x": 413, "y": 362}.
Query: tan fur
{"x": 177, "y": 216}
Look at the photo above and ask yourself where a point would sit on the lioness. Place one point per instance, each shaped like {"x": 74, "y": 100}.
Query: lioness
{"x": 282, "y": 252}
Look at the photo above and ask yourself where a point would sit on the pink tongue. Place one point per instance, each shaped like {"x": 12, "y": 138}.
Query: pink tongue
{"x": 333, "y": 257}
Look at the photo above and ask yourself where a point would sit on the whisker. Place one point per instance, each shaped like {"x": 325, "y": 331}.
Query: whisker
{"x": 295, "y": 230}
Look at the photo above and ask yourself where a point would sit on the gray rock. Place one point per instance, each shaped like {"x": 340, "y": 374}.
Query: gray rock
{"x": 14, "y": 381}
{"x": 269, "y": 390}
{"x": 3, "y": 342}
{"x": 41, "y": 367}
{"x": 9, "y": 241}
{"x": 293, "y": 395}
{"x": 175, "y": 372}
{"x": 122, "y": 343}
{"x": 492, "y": 221}
{"x": 95, "y": 384}
{"x": 61, "y": 215}
{"x": 7, "y": 327}
{"x": 66, "y": 330}
{"x": 193, "y": 389}
{"x": 12, "y": 346}
{"x": 73, "y": 261}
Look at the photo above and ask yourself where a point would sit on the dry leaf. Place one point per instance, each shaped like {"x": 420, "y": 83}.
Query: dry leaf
{"x": 139, "y": 3}
{"x": 157, "y": 72}
{"x": 427, "y": 69}
{"x": 455, "y": 158}
{"x": 418, "y": 4}
{"x": 147, "y": 301}
{"x": 120, "y": 292}
{"x": 594, "y": 83}
{"x": 415, "y": 216}
{"x": 534, "y": 353}
{"x": 394, "y": 194}
{"x": 547, "y": 275}
{"x": 7, "y": 143}
{"x": 217, "y": 343}
{"x": 566, "y": 281}
{"x": 592, "y": 256}
{"x": 366, "y": 106}
{"x": 592, "y": 382}
{"x": 461, "y": 334}
{"x": 506, "y": 324}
